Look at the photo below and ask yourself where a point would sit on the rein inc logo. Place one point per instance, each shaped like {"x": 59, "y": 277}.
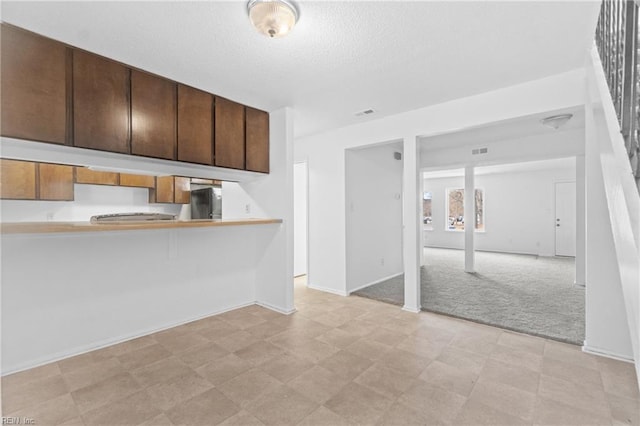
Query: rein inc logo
{"x": 18, "y": 421}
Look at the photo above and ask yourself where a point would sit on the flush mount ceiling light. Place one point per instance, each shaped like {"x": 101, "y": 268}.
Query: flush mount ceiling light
{"x": 556, "y": 121}
{"x": 273, "y": 18}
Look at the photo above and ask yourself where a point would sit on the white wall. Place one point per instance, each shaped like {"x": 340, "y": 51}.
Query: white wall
{"x": 325, "y": 153}
{"x": 613, "y": 229}
{"x": 300, "y": 219}
{"x": 519, "y": 211}
{"x": 374, "y": 215}
{"x": 64, "y": 294}
{"x": 89, "y": 200}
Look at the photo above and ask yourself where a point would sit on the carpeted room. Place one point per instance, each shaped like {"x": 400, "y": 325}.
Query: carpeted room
{"x": 520, "y": 283}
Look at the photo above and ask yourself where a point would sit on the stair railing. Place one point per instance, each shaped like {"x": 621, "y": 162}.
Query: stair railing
{"x": 618, "y": 43}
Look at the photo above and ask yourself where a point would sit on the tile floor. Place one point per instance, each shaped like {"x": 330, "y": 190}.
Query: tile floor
{"x": 337, "y": 361}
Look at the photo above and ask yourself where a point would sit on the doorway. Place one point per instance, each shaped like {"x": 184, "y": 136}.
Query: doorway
{"x": 300, "y": 201}
{"x": 565, "y": 219}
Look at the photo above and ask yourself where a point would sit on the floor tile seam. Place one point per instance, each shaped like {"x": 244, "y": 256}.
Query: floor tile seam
{"x": 578, "y": 407}
{"x": 105, "y": 404}
{"x": 567, "y": 407}
{"x": 21, "y": 387}
{"x": 628, "y": 399}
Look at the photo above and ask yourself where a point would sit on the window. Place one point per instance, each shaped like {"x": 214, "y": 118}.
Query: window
{"x": 455, "y": 210}
{"x": 426, "y": 211}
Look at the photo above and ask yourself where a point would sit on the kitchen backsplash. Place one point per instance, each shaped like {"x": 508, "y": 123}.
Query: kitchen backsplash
{"x": 89, "y": 200}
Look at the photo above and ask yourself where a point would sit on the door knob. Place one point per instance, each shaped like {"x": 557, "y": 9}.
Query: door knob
{"x": 558, "y": 225}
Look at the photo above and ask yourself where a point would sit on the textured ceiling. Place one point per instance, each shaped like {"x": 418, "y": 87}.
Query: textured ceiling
{"x": 511, "y": 129}
{"x": 568, "y": 163}
{"x": 341, "y": 58}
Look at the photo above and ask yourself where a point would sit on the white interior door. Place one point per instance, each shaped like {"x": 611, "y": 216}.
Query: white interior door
{"x": 299, "y": 219}
{"x": 565, "y": 219}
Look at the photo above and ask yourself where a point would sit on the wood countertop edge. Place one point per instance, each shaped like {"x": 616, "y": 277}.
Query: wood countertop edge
{"x": 72, "y": 227}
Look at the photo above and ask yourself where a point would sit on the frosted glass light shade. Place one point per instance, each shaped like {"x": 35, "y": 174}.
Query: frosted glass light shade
{"x": 273, "y": 18}
{"x": 556, "y": 121}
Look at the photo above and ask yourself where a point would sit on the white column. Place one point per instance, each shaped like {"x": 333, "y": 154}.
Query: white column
{"x": 273, "y": 197}
{"x": 581, "y": 224}
{"x": 420, "y": 206}
{"x": 411, "y": 214}
{"x": 469, "y": 219}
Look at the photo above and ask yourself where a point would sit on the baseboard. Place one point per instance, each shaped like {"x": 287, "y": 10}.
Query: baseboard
{"x": 411, "y": 309}
{"x": 376, "y": 282}
{"x": 327, "y": 290}
{"x": 276, "y": 309}
{"x": 79, "y": 350}
{"x": 605, "y": 353}
{"x": 496, "y": 251}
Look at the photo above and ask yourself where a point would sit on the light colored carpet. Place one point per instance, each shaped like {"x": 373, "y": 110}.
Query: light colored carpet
{"x": 529, "y": 294}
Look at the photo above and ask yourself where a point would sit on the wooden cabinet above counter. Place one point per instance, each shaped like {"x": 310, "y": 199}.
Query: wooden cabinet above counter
{"x": 59, "y": 94}
{"x": 28, "y": 180}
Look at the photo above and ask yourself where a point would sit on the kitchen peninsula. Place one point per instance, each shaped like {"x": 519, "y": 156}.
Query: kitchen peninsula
{"x": 68, "y": 292}
{"x": 66, "y": 227}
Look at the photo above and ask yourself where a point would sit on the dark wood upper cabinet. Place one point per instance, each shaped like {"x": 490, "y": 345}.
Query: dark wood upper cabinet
{"x": 153, "y": 116}
{"x": 229, "y": 134}
{"x": 257, "y": 140}
{"x": 195, "y": 125}
{"x": 34, "y": 86}
{"x": 17, "y": 180}
{"x": 55, "y": 182}
{"x": 101, "y": 109}
{"x": 56, "y": 93}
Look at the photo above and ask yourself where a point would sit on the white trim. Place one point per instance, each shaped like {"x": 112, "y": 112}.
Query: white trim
{"x": 305, "y": 162}
{"x": 276, "y": 309}
{"x": 375, "y": 282}
{"x": 58, "y": 356}
{"x": 412, "y": 309}
{"x": 605, "y": 353}
{"x": 327, "y": 290}
{"x": 19, "y": 149}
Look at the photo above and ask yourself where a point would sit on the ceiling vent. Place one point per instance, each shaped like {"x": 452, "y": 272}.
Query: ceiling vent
{"x": 365, "y": 112}
{"x": 479, "y": 151}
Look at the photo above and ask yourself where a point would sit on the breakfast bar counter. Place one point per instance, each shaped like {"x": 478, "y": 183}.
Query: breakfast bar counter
{"x": 66, "y": 227}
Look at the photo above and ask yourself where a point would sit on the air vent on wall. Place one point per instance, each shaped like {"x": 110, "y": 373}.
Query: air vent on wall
{"x": 365, "y": 112}
{"x": 479, "y": 151}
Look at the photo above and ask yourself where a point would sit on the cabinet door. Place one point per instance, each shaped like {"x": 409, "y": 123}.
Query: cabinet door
{"x": 229, "y": 134}
{"x": 257, "y": 130}
{"x": 153, "y": 116}
{"x": 140, "y": 181}
{"x": 164, "y": 189}
{"x": 17, "y": 180}
{"x": 34, "y": 86}
{"x": 55, "y": 182}
{"x": 85, "y": 175}
{"x": 181, "y": 190}
{"x": 100, "y": 103}
{"x": 195, "y": 125}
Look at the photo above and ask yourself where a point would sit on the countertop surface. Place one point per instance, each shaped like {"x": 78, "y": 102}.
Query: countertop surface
{"x": 62, "y": 227}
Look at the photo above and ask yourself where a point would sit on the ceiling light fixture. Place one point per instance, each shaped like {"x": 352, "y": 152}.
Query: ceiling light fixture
{"x": 556, "y": 121}
{"x": 273, "y": 18}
